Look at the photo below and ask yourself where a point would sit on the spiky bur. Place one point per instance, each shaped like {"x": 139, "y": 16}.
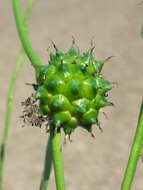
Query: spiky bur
{"x": 71, "y": 91}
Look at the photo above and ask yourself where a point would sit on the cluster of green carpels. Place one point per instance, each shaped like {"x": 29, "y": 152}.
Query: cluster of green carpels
{"x": 71, "y": 90}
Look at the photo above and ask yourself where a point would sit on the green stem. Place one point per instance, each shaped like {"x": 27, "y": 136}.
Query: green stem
{"x": 10, "y": 96}
{"x": 35, "y": 61}
{"x": 57, "y": 159}
{"x": 134, "y": 154}
{"x": 8, "y": 114}
{"x": 47, "y": 166}
{"x": 32, "y": 55}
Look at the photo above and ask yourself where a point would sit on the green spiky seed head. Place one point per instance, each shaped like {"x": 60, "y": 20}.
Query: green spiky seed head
{"x": 71, "y": 90}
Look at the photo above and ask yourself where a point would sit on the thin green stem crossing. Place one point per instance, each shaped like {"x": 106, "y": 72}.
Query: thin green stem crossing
{"x": 57, "y": 159}
{"x": 32, "y": 55}
{"x": 134, "y": 154}
{"x": 47, "y": 166}
{"x": 10, "y": 96}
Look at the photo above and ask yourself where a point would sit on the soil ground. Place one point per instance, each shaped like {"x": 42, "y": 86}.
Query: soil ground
{"x": 89, "y": 164}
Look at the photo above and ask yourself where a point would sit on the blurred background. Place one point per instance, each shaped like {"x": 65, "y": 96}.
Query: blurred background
{"x": 89, "y": 163}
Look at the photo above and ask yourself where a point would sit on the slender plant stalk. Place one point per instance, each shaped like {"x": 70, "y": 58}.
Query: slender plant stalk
{"x": 47, "y": 166}
{"x": 10, "y": 96}
{"x": 134, "y": 154}
{"x": 32, "y": 55}
{"x": 8, "y": 114}
{"x": 57, "y": 159}
{"x": 35, "y": 61}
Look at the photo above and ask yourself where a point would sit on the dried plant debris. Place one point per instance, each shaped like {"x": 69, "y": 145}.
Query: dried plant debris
{"x": 31, "y": 114}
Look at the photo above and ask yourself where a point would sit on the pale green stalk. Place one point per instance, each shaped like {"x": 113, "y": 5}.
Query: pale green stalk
{"x": 32, "y": 55}
{"x": 57, "y": 159}
{"x": 10, "y": 96}
{"x": 134, "y": 154}
{"x": 47, "y": 166}
{"x": 36, "y": 61}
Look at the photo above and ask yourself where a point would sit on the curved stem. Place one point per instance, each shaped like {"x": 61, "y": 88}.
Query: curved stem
{"x": 134, "y": 154}
{"x": 10, "y": 96}
{"x": 57, "y": 159}
{"x": 8, "y": 114}
{"x": 47, "y": 166}
{"x": 32, "y": 55}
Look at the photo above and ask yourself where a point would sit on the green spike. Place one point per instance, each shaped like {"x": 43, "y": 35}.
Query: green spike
{"x": 90, "y": 88}
{"x": 81, "y": 106}
{"x": 43, "y": 95}
{"x": 100, "y": 101}
{"x": 70, "y": 56}
{"x": 55, "y": 85}
{"x": 40, "y": 73}
{"x": 59, "y": 102}
{"x": 70, "y": 126}
{"x": 74, "y": 89}
{"x": 61, "y": 118}
{"x": 103, "y": 85}
{"x": 90, "y": 117}
{"x": 98, "y": 65}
